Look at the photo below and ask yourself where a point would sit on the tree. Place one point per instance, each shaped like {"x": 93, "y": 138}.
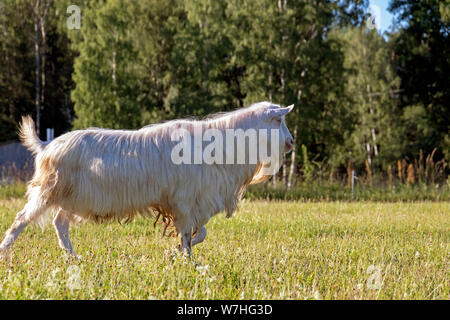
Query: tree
{"x": 25, "y": 89}
{"x": 106, "y": 90}
{"x": 121, "y": 73}
{"x": 40, "y": 11}
{"x": 288, "y": 57}
{"x": 16, "y": 65}
{"x": 371, "y": 91}
{"x": 203, "y": 76}
{"x": 422, "y": 54}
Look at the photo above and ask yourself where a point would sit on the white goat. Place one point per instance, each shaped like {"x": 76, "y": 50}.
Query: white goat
{"x": 100, "y": 174}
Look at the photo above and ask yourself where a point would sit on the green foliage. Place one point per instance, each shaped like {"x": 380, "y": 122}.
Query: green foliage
{"x": 202, "y": 57}
{"x": 359, "y": 96}
{"x": 323, "y": 191}
{"x": 422, "y": 58}
{"x": 17, "y": 68}
{"x": 16, "y": 65}
{"x": 106, "y": 92}
{"x": 8, "y": 128}
{"x": 309, "y": 167}
{"x": 370, "y": 90}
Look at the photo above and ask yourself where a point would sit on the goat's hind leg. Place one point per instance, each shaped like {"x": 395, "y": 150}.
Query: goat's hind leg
{"x": 61, "y": 223}
{"x": 31, "y": 211}
{"x": 200, "y": 235}
{"x": 13, "y": 232}
{"x": 186, "y": 243}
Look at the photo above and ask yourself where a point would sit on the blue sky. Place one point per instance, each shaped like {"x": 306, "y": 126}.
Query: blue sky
{"x": 386, "y": 17}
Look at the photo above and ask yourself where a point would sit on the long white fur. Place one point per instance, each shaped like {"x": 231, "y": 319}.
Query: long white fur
{"x": 101, "y": 174}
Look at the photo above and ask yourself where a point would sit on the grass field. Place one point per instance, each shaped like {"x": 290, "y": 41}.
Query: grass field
{"x": 268, "y": 250}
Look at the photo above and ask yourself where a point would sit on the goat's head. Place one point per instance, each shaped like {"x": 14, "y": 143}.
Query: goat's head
{"x": 276, "y": 138}
{"x": 275, "y": 117}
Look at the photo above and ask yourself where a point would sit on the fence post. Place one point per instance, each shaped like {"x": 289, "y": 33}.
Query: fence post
{"x": 50, "y": 134}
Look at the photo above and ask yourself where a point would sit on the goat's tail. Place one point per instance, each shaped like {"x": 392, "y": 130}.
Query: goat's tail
{"x": 29, "y": 137}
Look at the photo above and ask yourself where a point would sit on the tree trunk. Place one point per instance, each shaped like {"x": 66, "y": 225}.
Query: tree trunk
{"x": 374, "y": 139}
{"x": 42, "y": 20}
{"x": 372, "y": 130}
{"x": 43, "y": 61}
{"x": 282, "y": 7}
{"x": 274, "y": 177}
{"x": 114, "y": 66}
{"x": 293, "y": 165}
{"x": 38, "y": 70}
{"x": 39, "y": 25}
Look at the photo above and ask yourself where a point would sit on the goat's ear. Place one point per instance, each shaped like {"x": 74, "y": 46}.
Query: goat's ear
{"x": 279, "y": 112}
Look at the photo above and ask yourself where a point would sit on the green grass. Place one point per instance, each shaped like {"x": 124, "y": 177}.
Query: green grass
{"x": 15, "y": 190}
{"x": 267, "y": 250}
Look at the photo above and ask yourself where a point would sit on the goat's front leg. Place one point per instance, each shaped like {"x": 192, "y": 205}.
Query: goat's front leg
{"x": 61, "y": 224}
